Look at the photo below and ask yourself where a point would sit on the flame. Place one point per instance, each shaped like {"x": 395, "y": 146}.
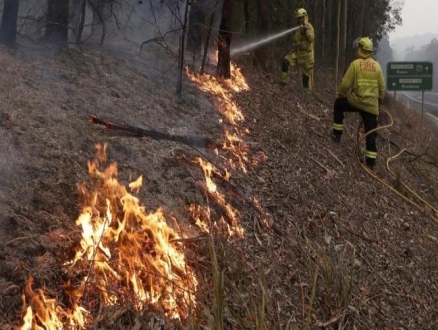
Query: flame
{"x": 227, "y": 107}
{"x": 223, "y": 90}
{"x": 46, "y": 313}
{"x": 233, "y": 146}
{"x": 144, "y": 259}
{"x": 238, "y": 83}
{"x": 201, "y": 216}
{"x": 126, "y": 256}
{"x": 232, "y": 225}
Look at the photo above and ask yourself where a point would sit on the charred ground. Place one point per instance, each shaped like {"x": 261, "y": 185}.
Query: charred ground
{"x": 327, "y": 244}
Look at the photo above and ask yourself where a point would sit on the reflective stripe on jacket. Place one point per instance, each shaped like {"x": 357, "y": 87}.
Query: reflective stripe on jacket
{"x": 364, "y": 79}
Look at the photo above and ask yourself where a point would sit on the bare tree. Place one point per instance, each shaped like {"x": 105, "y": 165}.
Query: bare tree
{"x": 212, "y": 16}
{"x": 360, "y": 12}
{"x": 78, "y": 8}
{"x": 246, "y": 15}
{"x": 344, "y": 33}
{"x": 181, "y": 52}
{"x": 261, "y": 55}
{"x": 224, "y": 43}
{"x": 57, "y": 22}
{"x": 8, "y": 29}
{"x": 196, "y": 27}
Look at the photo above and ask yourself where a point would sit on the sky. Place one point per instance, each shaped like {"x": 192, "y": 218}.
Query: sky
{"x": 419, "y": 17}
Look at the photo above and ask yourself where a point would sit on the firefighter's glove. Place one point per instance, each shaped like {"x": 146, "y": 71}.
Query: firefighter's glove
{"x": 304, "y": 28}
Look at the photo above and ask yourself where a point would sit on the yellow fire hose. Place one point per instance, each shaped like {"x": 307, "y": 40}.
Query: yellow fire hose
{"x": 383, "y": 182}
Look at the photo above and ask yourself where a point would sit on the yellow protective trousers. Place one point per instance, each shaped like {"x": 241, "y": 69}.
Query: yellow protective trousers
{"x": 306, "y": 70}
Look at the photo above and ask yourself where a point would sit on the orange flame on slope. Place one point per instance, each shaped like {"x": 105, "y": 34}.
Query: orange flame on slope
{"x": 227, "y": 107}
{"x": 223, "y": 91}
{"x": 126, "y": 256}
{"x": 232, "y": 226}
{"x": 48, "y": 313}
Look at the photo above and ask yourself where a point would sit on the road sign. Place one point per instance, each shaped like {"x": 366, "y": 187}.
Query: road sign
{"x": 409, "y": 76}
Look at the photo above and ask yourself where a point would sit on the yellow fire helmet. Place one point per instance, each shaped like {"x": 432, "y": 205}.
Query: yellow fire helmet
{"x": 366, "y": 44}
{"x": 300, "y": 13}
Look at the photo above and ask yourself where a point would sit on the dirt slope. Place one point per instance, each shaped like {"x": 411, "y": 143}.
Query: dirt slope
{"x": 323, "y": 240}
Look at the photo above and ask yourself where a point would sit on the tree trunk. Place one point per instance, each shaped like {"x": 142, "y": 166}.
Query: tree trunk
{"x": 246, "y": 15}
{"x": 331, "y": 27}
{"x": 323, "y": 32}
{"x": 209, "y": 35}
{"x": 358, "y": 25}
{"x": 98, "y": 12}
{"x": 365, "y": 15}
{"x": 338, "y": 34}
{"x": 261, "y": 56}
{"x": 196, "y": 27}
{"x": 224, "y": 42}
{"x": 8, "y": 29}
{"x": 181, "y": 51}
{"x": 344, "y": 32}
{"x": 57, "y": 22}
{"x": 77, "y": 19}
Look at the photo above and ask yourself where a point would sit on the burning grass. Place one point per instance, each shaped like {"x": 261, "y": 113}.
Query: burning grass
{"x": 323, "y": 256}
{"x": 126, "y": 257}
{"x": 223, "y": 92}
{"x": 129, "y": 257}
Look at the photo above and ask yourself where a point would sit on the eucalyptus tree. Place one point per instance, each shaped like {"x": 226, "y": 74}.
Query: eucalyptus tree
{"x": 224, "y": 42}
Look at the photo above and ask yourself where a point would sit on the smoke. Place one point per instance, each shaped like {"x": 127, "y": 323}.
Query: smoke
{"x": 131, "y": 20}
{"x": 14, "y": 180}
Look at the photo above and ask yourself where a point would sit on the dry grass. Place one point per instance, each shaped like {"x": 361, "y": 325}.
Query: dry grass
{"x": 325, "y": 245}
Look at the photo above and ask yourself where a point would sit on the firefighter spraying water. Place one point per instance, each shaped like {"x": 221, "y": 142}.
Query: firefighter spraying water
{"x": 302, "y": 54}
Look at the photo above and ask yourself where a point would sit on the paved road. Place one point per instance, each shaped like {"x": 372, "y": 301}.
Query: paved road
{"x": 430, "y": 100}
{"x": 430, "y": 105}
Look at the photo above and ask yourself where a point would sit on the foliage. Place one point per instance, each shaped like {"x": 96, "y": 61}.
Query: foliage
{"x": 386, "y": 16}
{"x": 137, "y": 21}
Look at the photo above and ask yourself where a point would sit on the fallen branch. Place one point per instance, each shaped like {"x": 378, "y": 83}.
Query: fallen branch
{"x": 329, "y": 171}
{"x": 335, "y": 157}
{"x": 137, "y": 131}
{"x": 300, "y": 108}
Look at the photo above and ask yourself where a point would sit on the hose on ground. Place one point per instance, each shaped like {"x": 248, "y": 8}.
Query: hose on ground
{"x": 383, "y": 182}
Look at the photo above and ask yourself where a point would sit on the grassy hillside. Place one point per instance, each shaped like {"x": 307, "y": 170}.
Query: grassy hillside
{"x": 267, "y": 226}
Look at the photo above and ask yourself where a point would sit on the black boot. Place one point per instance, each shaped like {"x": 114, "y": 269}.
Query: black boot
{"x": 371, "y": 163}
{"x": 336, "y": 136}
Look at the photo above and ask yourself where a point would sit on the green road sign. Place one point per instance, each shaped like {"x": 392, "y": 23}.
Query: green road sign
{"x": 409, "y": 76}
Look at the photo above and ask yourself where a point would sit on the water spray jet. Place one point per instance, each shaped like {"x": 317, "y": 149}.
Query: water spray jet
{"x": 263, "y": 41}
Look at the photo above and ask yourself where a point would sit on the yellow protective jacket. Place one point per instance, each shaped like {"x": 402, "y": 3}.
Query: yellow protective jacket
{"x": 304, "y": 45}
{"x": 364, "y": 80}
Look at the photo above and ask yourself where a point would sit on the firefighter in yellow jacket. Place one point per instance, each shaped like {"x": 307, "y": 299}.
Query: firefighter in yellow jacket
{"x": 303, "y": 54}
{"x": 361, "y": 90}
